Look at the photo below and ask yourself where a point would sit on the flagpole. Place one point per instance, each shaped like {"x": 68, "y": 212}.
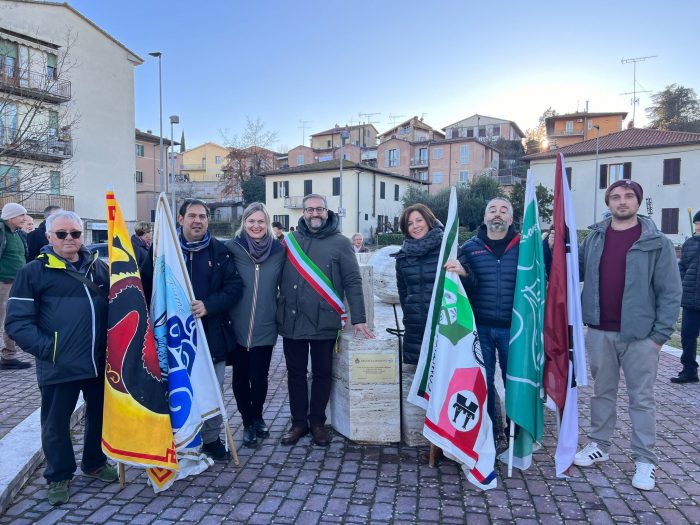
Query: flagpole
{"x": 511, "y": 443}
{"x": 122, "y": 475}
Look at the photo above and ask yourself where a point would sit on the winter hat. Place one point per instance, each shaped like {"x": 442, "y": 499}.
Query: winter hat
{"x": 634, "y": 186}
{"x": 696, "y": 217}
{"x": 12, "y": 210}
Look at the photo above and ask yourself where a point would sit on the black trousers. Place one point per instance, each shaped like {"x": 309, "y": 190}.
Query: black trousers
{"x": 57, "y": 404}
{"x": 250, "y": 372}
{"x": 296, "y": 353}
{"x": 690, "y": 330}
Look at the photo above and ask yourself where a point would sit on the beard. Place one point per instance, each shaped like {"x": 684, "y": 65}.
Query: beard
{"x": 315, "y": 223}
{"x": 496, "y": 227}
{"x": 623, "y": 214}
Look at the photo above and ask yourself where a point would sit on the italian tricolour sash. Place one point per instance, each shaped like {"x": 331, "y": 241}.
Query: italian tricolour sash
{"x": 315, "y": 277}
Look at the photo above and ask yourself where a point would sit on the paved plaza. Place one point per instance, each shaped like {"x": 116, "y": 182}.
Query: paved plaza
{"x": 355, "y": 483}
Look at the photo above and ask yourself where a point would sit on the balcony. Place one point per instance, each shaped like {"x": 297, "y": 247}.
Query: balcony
{"x": 419, "y": 163}
{"x": 193, "y": 167}
{"x": 566, "y": 133}
{"x": 36, "y": 203}
{"x": 48, "y": 145}
{"x": 295, "y": 203}
{"x": 36, "y": 85}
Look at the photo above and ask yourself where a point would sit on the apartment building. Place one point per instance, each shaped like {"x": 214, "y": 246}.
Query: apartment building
{"x": 147, "y": 175}
{"x": 61, "y": 141}
{"x": 571, "y": 128}
{"x": 483, "y": 128}
{"x": 412, "y": 130}
{"x": 361, "y": 135}
{"x": 205, "y": 162}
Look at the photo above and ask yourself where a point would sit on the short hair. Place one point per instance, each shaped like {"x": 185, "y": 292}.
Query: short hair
{"x": 49, "y": 210}
{"x": 504, "y": 199}
{"x": 252, "y": 208}
{"x": 192, "y": 202}
{"x": 314, "y": 196}
{"x": 358, "y": 234}
{"x": 426, "y": 212}
{"x": 277, "y": 224}
{"x": 142, "y": 228}
{"x": 62, "y": 214}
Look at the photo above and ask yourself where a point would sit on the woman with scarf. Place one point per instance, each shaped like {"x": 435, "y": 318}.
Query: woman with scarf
{"x": 259, "y": 258}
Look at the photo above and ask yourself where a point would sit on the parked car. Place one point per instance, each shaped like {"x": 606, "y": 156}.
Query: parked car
{"x": 102, "y": 248}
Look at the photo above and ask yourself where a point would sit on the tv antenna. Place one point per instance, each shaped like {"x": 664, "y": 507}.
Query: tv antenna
{"x": 634, "y": 91}
{"x": 394, "y": 118}
{"x": 303, "y": 126}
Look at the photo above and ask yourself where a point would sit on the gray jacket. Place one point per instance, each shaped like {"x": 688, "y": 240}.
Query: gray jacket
{"x": 301, "y": 312}
{"x": 254, "y": 316}
{"x": 652, "y": 295}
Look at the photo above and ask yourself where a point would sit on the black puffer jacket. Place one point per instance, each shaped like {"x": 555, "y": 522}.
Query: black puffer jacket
{"x": 415, "y": 277}
{"x": 58, "y": 319}
{"x": 689, "y": 266}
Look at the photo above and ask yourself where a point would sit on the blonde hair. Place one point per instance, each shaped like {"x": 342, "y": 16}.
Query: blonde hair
{"x": 252, "y": 208}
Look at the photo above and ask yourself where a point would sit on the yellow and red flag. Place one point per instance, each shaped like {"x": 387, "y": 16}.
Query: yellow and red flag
{"x": 136, "y": 429}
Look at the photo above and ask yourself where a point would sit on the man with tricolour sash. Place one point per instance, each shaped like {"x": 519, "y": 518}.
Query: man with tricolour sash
{"x": 321, "y": 269}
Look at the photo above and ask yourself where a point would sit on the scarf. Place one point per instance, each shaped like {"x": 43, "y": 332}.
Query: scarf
{"x": 194, "y": 246}
{"x": 258, "y": 250}
{"x": 418, "y": 247}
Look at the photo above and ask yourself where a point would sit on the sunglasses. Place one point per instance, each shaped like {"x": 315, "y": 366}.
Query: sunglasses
{"x": 62, "y": 235}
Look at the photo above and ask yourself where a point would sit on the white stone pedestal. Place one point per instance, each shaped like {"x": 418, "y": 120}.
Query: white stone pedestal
{"x": 413, "y": 416}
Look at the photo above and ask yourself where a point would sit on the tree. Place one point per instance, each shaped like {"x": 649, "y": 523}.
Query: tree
{"x": 676, "y": 108}
{"x": 36, "y": 120}
{"x": 253, "y": 189}
{"x": 183, "y": 148}
{"x": 545, "y": 200}
{"x": 535, "y": 137}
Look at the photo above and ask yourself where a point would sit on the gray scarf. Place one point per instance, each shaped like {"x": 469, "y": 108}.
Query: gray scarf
{"x": 258, "y": 250}
{"x": 418, "y": 247}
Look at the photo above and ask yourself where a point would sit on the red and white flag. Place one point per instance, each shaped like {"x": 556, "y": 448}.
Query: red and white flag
{"x": 565, "y": 355}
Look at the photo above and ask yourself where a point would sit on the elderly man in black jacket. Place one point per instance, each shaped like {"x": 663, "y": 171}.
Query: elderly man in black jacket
{"x": 307, "y": 321}
{"x": 58, "y": 313}
{"x": 689, "y": 266}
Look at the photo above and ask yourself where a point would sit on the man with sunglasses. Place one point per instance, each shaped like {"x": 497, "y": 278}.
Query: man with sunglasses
{"x": 57, "y": 312}
{"x": 309, "y": 322}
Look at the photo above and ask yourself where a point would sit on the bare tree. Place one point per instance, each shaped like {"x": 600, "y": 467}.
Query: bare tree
{"x": 37, "y": 119}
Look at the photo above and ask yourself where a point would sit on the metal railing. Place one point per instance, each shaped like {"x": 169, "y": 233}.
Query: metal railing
{"x": 37, "y": 202}
{"x": 35, "y": 84}
{"x": 27, "y": 143}
{"x": 415, "y": 163}
{"x": 294, "y": 202}
{"x": 193, "y": 167}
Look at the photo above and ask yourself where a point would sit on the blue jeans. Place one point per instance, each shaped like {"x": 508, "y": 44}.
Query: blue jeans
{"x": 494, "y": 340}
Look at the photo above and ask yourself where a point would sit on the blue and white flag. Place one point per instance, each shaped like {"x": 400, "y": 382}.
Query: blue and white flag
{"x": 193, "y": 389}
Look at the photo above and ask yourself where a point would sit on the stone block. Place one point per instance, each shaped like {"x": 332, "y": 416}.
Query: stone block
{"x": 413, "y": 416}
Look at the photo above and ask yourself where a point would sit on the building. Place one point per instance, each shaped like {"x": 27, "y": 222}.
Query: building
{"x": 204, "y": 163}
{"x": 63, "y": 142}
{"x": 361, "y": 135}
{"x": 564, "y": 130}
{"x": 412, "y": 130}
{"x": 372, "y": 198}
{"x": 484, "y": 128}
{"x": 665, "y": 163}
{"x": 147, "y": 173}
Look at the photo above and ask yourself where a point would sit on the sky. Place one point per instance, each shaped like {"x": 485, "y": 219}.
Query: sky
{"x": 289, "y": 62}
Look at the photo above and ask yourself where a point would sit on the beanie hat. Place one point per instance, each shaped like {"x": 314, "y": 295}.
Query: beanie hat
{"x": 627, "y": 183}
{"x": 12, "y": 210}
{"x": 696, "y": 217}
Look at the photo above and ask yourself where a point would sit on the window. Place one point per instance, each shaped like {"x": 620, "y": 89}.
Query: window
{"x": 463, "y": 177}
{"x": 669, "y": 220}
{"x": 204, "y": 163}
{"x": 282, "y": 219}
{"x": 51, "y": 66}
{"x": 672, "y": 171}
{"x": 396, "y": 192}
{"x": 470, "y": 133}
{"x": 437, "y": 153}
{"x": 382, "y": 190}
{"x": 482, "y": 131}
{"x": 53, "y": 124}
{"x": 464, "y": 154}
{"x": 9, "y": 179}
{"x": 366, "y": 216}
{"x": 392, "y": 158}
{"x": 280, "y": 189}
{"x": 55, "y": 182}
{"x": 336, "y": 186}
{"x": 568, "y": 176}
{"x": 437, "y": 177}
{"x": 8, "y": 58}
{"x": 328, "y": 143}
{"x": 324, "y": 158}
{"x": 590, "y": 124}
{"x": 300, "y": 159}
{"x": 217, "y": 159}
{"x": 308, "y": 187}
{"x": 139, "y": 150}
{"x": 569, "y": 127}
{"x": 423, "y": 155}
{"x": 423, "y": 175}
{"x": 609, "y": 173}
{"x": 496, "y": 130}
{"x": 139, "y": 176}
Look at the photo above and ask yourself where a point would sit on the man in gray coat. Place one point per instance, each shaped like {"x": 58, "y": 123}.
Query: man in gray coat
{"x": 320, "y": 270}
{"x": 630, "y": 303}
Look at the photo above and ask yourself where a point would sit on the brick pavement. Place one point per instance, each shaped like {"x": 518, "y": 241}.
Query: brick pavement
{"x": 355, "y": 483}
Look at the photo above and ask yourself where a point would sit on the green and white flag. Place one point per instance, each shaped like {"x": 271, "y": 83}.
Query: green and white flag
{"x": 524, "y": 387}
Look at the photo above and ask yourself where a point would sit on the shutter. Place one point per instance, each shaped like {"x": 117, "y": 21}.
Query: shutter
{"x": 667, "y": 171}
{"x": 627, "y": 171}
{"x": 677, "y": 171}
{"x": 568, "y": 176}
{"x": 386, "y": 158}
{"x": 603, "y": 176}
{"x": 274, "y": 190}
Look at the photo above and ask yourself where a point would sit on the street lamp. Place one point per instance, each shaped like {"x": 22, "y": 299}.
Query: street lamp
{"x": 158, "y": 55}
{"x": 174, "y": 119}
{"x": 596, "y": 175}
{"x": 344, "y": 134}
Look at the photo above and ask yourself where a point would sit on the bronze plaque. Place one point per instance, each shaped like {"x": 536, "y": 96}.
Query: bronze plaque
{"x": 374, "y": 369}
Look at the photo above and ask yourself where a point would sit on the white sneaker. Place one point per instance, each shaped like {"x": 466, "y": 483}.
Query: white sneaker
{"x": 644, "y": 478}
{"x": 590, "y": 454}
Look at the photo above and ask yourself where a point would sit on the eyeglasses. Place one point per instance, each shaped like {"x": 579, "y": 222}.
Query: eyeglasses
{"x": 319, "y": 209}
{"x": 74, "y": 234}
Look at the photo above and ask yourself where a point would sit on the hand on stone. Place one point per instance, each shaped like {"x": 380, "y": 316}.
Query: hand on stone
{"x": 362, "y": 328}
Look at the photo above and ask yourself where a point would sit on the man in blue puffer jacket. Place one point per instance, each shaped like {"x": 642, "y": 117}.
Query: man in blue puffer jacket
{"x": 493, "y": 257}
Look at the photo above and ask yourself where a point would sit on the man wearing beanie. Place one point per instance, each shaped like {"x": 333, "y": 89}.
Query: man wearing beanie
{"x": 689, "y": 266}
{"x": 630, "y": 303}
{"x": 12, "y": 258}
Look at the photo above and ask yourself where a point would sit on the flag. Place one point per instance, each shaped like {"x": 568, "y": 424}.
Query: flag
{"x": 136, "y": 425}
{"x": 194, "y": 392}
{"x": 524, "y": 391}
{"x": 565, "y": 358}
{"x": 450, "y": 380}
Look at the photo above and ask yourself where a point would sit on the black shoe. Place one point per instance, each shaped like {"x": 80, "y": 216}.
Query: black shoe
{"x": 250, "y": 440}
{"x": 13, "y": 364}
{"x": 216, "y": 451}
{"x": 685, "y": 377}
{"x": 261, "y": 428}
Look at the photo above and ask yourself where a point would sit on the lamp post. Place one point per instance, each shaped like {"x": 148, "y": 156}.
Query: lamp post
{"x": 174, "y": 119}
{"x": 596, "y": 175}
{"x": 158, "y": 55}
{"x": 344, "y": 134}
